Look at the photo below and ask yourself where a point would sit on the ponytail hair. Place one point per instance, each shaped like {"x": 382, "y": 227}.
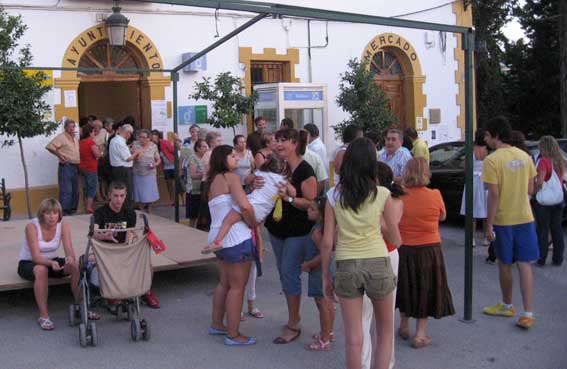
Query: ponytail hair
{"x": 385, "y": 178}
{"x": 296, "y": 137}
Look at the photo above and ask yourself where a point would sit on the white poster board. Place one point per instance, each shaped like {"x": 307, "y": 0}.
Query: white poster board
{"x": 159, "y": 115}
{"x": 70, "y": 98}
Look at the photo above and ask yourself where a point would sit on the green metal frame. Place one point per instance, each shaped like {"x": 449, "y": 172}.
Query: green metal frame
{"x": 278, "y": 10}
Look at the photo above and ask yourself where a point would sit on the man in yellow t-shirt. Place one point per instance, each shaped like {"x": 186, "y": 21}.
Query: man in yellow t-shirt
{"x": 420, "y": 148}
{"x": 509, "y": 173}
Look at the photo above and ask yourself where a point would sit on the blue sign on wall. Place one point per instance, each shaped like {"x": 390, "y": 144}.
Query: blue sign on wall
{"x": 199, "y": 64}
{"x": 186, "y": 115}
{"x": 303, "y": 95}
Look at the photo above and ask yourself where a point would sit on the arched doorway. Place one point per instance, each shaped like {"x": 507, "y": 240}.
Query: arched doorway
{"x": 395, "y": 65}
{"x": 388, "y": 74}
{"x": 109, "y": 93}
{"x": 126, "y": 93}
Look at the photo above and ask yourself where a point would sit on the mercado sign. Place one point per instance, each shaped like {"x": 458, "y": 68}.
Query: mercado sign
{"x": 97, "y": 33}
{"x": 389, "y": 40}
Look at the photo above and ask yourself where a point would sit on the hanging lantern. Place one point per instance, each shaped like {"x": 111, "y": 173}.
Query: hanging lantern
{"x": 116, "y": 26}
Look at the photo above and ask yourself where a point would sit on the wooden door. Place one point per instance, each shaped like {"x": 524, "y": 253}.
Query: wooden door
{"x": 388, "y": 75}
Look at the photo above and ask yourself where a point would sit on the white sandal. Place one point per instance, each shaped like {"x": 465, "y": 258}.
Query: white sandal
{"x": 46, "y": 324}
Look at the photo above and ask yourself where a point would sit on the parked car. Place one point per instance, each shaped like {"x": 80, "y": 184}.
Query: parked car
{"x": 447, "y": 164}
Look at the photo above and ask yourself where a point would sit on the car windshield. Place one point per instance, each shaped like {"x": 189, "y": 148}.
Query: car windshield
{"x": 443, "y": 153}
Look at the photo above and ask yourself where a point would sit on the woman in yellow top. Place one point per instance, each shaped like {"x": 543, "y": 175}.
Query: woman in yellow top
{"x": 353, "y": 212}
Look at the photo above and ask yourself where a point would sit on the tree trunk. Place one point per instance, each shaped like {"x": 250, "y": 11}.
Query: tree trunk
{"x": 28, "y": 201}
{"x": 563, "y": 64}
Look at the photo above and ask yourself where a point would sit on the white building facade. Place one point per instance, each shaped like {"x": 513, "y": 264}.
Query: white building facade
{"x": 421, "y": 71}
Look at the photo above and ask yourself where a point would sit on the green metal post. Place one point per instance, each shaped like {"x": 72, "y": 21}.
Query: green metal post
{"x": 468, "y": 45}
{"x": 175, "y": 79}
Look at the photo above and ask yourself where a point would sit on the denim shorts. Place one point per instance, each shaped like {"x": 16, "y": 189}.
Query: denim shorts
{"x": 240, "y": 253}
{"x": 90, "y": 185}
{"x": 516, "y": 243}
{"x": 290, "y": 253}
{"x": 373, "y": 276}
{"x": 315, "y": 281}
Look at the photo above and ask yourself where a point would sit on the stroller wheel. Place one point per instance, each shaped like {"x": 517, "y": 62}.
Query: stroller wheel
{"x": 93, "y": 334}
{"x": 83, "y": 334}
{"x": 73, "y": 312}
{"x": 135, "y": 330}
{"x": 146, "y": 331}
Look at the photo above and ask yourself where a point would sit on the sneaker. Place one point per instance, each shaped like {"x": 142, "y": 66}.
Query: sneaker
{"x": 525, "y": 322}
{"x": 490, "y": 261}
{"x": 485, "y": 242}
{"x": 151, "y": 300}
{"x": 499, "y": 310}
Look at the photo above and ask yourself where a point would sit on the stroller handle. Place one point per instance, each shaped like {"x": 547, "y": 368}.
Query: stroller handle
{"x": 91, "y": 226}
{"x": 145, "y": 229}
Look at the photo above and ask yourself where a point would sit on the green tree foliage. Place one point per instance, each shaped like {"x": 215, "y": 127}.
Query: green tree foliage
{"x": 365, "y": 102}
{"x": 229, "y": 103}
{"x": 22, "y": 108}
{"x": 532, "y": 84}
{"x": 489, "y": 16}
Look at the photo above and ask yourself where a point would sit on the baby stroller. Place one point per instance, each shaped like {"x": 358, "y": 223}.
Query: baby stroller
{"x": 124, "y": 273}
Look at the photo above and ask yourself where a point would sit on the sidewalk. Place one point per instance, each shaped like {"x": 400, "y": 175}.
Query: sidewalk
{"x": 179, "y": 338}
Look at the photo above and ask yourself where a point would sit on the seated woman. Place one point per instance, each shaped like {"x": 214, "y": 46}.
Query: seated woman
{"x": 38, "y": 256}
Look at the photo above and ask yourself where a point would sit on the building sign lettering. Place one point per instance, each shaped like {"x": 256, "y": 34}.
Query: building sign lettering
{"x": 86, "y": 39}
{"x": 389, "y": 40}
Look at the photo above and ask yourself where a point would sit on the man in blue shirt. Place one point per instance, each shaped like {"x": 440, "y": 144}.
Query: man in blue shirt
{"x": 394, "y": 154}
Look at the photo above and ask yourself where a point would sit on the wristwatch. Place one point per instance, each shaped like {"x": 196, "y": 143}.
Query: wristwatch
{"x": 290, "y": 199}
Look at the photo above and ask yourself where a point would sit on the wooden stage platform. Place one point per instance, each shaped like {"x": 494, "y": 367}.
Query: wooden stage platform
{"x": 183, "y": 247}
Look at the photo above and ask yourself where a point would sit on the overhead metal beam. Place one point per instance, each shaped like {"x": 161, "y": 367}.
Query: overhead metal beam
{"x": 311, "y": 13}
{"x": 221, "y": 41}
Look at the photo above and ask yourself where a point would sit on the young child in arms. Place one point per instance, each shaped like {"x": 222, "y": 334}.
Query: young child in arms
{"x": 275, "y": 172}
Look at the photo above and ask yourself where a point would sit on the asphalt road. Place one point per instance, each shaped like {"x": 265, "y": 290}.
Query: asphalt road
{"x": 180, "y": 340}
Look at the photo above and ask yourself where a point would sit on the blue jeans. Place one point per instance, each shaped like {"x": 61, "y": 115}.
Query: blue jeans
{"x": 548, "y": 218}
{"x": 90, "y": 184}
{"x": 68, "y": 175}
{"x": 290, "y": 253}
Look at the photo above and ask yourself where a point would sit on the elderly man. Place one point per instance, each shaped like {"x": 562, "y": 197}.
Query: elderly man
{"x": 122, "y": 160}
{"x": 394, "y": 154}
{"x": 65, "y": 147}
{"x": 315, "y": 143}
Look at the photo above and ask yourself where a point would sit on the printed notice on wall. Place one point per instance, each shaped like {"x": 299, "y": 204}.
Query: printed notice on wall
{"x": 70, "y": 98}
{"x": 159, "y": 115}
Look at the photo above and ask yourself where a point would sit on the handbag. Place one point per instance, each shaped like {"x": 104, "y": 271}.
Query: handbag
{"x": 551, "y": 192}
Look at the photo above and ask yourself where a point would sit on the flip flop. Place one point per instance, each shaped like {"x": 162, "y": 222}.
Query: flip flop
{"x": 217, "y": 332}
{"x": 319, "y": 345}
{"x": 46, "y": 324}
{"x": 232, "y": 342}
{"x": 282, "y": 341}
{"x": 418, "y": 343}
{"x": 93, "y": 315}
{"x": 317, "y": 336}
{"x": 256, "y": 313}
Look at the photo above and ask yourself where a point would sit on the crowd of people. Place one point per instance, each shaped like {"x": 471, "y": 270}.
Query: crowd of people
{"x": 371, "y": 239}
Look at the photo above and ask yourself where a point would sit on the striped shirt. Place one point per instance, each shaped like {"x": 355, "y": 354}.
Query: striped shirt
{"x": 397, "y": 161}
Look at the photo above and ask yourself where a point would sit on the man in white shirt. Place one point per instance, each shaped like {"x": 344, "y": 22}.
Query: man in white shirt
{"x": 315, "y": 143}
{"x": 318, "y": 166}
{"x": 122, "y": 160}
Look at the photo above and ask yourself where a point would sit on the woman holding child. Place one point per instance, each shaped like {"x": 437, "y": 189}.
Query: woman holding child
{"x": 291, "y": 235}
{"x": 224, "y": 190}
{"x": 355, "y": 208}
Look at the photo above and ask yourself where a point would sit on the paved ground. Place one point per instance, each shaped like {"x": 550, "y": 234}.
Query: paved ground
{"x": 180, "y": 340}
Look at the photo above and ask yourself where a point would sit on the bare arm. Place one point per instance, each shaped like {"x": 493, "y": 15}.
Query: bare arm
{"x": 538, "y": 182}
{"x": 240, "y": 198}
{"x": 493, "y": 199}
{"x": 96, "y": 151}
{"x": 259, "y": 160}
{"x": 339, "y": 161}
{"x": 391, "y": 220}
{"x": 55, "y": 151}
{"x": 327, "y": 249}
{"x": 308, "y": 188}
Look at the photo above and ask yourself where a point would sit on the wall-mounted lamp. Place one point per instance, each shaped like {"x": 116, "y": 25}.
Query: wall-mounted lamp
{"x": 116, "y": 26}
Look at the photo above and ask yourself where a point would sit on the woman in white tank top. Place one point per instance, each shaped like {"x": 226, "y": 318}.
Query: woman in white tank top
{"x": 235, "y": 258}
{"x": 39, "y": 259}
